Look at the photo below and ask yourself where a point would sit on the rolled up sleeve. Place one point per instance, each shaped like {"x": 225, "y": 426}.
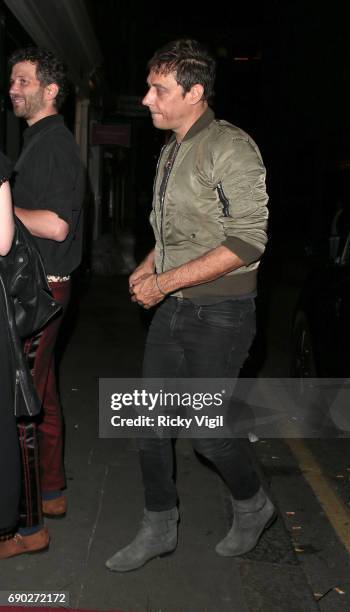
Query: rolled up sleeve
{"x": 58, "y": 191}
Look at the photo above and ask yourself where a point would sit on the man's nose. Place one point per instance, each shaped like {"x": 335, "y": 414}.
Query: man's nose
{"x": 147, "y": 99}
{"x": 13, "y": 88}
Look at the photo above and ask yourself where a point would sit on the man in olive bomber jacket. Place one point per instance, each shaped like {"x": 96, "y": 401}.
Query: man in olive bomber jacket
{"x": 209, "y": 219}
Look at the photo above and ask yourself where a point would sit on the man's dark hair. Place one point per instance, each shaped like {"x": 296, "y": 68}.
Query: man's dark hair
{"x": 191, "y": 63}
{"x": 49, "y": 68}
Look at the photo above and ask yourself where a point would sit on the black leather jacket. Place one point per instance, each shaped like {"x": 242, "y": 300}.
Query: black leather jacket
{"x": 29, "y": 306}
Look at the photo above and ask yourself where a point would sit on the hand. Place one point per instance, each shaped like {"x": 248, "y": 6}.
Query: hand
{"x": 145, "y": 291}
{"x": 132, "y": 283}
{"x": 143, "y": 270}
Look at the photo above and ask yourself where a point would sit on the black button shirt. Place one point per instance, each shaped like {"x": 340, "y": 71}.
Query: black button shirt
{"x": 52, "y": 177}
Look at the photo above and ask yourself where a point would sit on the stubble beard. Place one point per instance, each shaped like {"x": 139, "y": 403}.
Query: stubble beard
{"x": 32, "y": 105}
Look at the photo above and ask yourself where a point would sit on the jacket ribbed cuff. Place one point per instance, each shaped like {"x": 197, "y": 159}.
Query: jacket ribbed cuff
{"x": 245, "y": 251}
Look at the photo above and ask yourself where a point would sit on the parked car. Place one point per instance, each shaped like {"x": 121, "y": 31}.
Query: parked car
{"x": 321, "y": 321}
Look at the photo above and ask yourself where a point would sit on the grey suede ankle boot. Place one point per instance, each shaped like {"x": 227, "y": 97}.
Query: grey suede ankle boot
{"x": 251, "y": 517}
{"x": 156, "y": 537}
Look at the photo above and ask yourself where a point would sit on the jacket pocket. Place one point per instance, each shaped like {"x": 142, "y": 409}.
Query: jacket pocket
{"x": 196, "y": 229}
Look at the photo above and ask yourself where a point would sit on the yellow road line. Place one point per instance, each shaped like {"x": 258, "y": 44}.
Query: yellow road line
{"x": 336, "y": 511}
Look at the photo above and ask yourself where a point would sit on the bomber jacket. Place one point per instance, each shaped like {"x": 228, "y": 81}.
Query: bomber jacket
{"x": 209, "y": 191}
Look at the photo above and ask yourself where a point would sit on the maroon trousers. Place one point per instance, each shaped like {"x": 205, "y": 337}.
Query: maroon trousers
{"x": 41, "y": 440}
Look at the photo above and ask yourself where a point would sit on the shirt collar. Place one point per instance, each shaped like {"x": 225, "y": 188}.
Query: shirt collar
{"x": 30, "y": 131}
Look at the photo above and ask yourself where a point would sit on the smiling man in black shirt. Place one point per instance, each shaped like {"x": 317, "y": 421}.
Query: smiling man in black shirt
{"x": 51, "y": 176}
{"x": 48, "y": 192}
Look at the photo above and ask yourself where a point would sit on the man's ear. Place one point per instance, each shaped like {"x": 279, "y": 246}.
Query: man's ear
{"x": 196, "y": 93}
{"x": 51, "y": 91}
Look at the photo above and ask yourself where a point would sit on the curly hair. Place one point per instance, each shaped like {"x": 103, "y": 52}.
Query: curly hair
{"x": 49, "y": 69}
{"x": 191, "y": 63}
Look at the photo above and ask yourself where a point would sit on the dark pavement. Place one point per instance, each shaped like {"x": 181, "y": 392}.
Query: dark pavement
{"x": 105, "y": 503}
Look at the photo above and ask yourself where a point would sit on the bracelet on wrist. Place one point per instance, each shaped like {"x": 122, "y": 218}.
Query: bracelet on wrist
{"x": 159, "y": 288}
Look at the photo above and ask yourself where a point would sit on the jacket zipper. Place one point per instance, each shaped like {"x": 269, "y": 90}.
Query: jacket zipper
{"x": 157, "y": 168}
{"x": 224, "y": 201}
{"x": 18, "y": 273}
{"x": 24, "y": 395}
{"x": 168, "y": 169}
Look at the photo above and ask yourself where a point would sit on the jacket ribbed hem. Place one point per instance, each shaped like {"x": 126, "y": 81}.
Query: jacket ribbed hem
{"x": 229, "y": 286}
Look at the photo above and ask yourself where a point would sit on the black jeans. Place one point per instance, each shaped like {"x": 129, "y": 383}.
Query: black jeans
{"x": 195, "y": 341}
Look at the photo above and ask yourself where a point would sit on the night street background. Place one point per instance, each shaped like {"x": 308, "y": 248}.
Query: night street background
{"x": 284, "y": 77}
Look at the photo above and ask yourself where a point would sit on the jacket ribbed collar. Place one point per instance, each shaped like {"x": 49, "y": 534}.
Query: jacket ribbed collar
{"x": 199, "y": 125}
